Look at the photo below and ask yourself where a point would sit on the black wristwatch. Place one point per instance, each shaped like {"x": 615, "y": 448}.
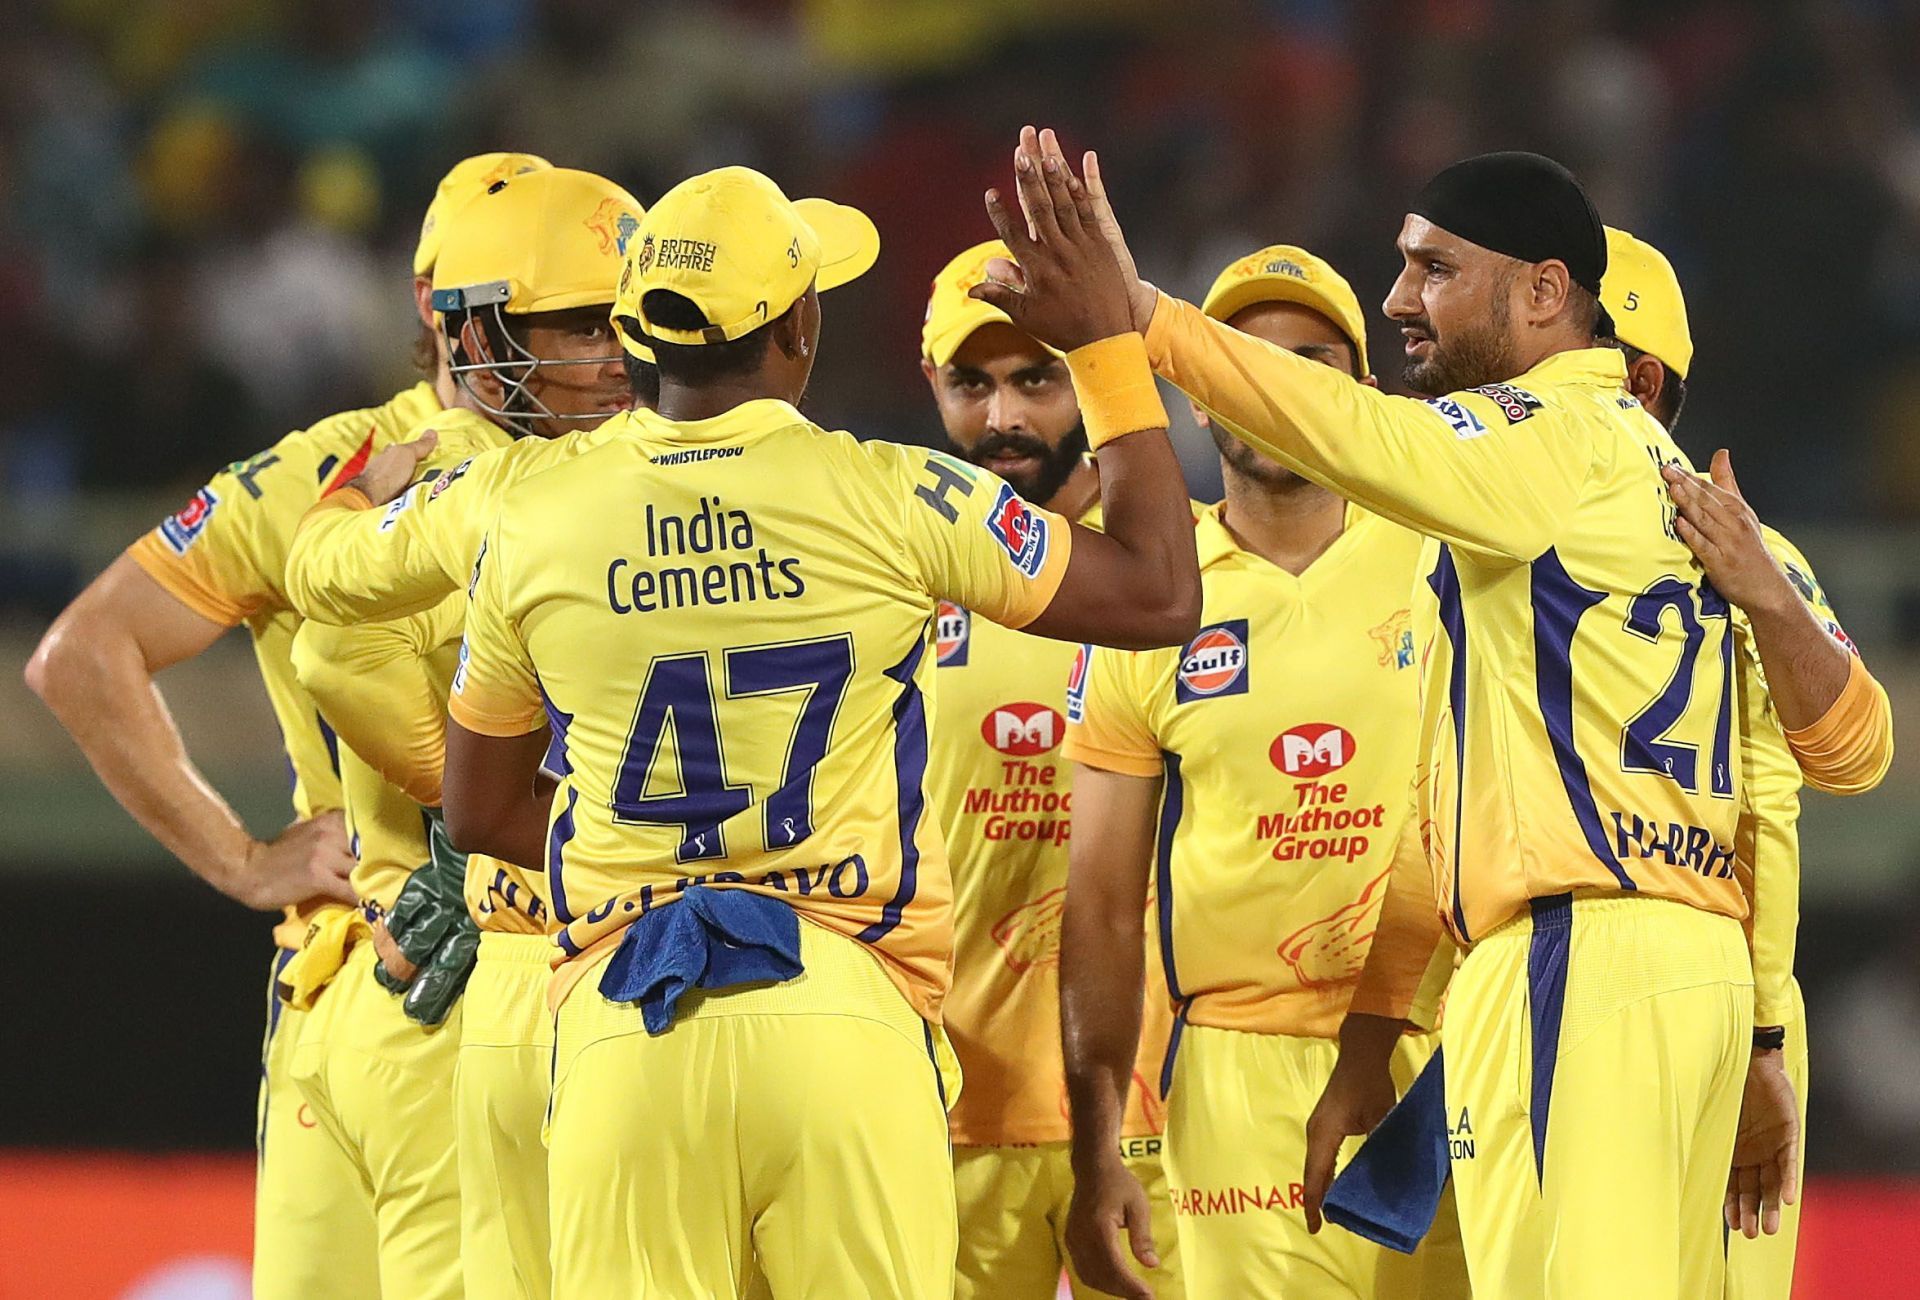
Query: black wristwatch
{"x": 1769, "y": 1038}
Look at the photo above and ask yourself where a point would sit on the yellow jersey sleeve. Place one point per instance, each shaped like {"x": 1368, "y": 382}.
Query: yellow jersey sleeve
{"x": 1398, "y": 980}
{"x": 1107, "y": 726}
{"x": 352, "y": 561}
{"x": 975, "y": 542}
{"x": 218, "y": 553}
{"x": 1767, "y": 840}
{"x": 495, "y": 690}
{"x": 1497, "y": 471}
{"x": 373, "y": 683}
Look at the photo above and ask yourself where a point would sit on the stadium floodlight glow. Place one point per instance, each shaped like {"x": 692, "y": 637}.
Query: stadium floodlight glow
{"x": 519, "y": 407}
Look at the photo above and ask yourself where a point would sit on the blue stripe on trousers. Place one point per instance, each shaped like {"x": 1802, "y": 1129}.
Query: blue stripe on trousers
{"x": 1546, "y": 1000}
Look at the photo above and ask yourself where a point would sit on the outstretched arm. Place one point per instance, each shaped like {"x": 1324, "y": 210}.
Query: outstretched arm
{"x": 1136, "y": 584}
{"x": 1459, "y": 468}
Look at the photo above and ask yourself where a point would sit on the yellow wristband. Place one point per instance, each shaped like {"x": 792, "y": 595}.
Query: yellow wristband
{"x": 1114, "y": 383}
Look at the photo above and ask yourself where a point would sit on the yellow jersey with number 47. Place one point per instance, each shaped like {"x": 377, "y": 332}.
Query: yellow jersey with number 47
{"x": 1577, "y": 728}
{"x": 731, "y": 620}
{"x": 1284, "y": 733}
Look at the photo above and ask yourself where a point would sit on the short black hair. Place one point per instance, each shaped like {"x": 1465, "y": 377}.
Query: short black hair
{"x": 1673, "y": 388}
{"x": 699, "y": 364}
{"x": 644, "y": 378}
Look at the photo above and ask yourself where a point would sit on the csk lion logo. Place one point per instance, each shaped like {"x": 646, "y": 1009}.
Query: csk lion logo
{"x": 615, "y": 226}
{"x": 1333, "y": 949}
{"x": 1396, "y": 640}
{"x": 1029, "y": 935}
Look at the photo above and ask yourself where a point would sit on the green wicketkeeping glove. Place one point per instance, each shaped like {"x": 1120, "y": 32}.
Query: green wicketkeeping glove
{"x": 430, "y": 926}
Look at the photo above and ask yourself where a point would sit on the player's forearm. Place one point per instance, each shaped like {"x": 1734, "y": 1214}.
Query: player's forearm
{"x": 1136, "y": 584}
{"x": 1102, "y": 975}
{"x": 1806, "y": 668}
{"x": 1147, "y": 514}
{"x": 493, "y": 798}
{"x": 100, "y": 689}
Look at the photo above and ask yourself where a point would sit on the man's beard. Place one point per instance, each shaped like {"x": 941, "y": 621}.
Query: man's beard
{"x": 1467, "y": 358}
{"x": 1250, "y": 464}
{"x": 1053, "y": 465}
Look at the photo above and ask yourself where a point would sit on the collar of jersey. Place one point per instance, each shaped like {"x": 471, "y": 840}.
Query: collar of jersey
{"x": 1596, "y": 365}
{"x": 1213, "y": 541}
{"x": 747, "y": 420}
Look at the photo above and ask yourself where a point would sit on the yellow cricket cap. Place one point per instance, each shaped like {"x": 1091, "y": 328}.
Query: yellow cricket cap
{"x": 952, "y": 316}
{"x": 552, "y": 239}
{"x": 467, "y": 180}
{"x": 1642, "y": 294}
{"x": 741, "y": 251}
{"x": 1289, "y": 273}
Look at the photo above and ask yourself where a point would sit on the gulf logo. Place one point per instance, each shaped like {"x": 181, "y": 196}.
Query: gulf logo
{"x": 1312, "y": 749}
{"x": 952, "y": 627}
{"x": 1213, "y": 664}
{"x": 1022, "y": 729}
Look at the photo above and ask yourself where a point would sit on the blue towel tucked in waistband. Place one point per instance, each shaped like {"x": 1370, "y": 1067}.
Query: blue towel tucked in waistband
{"x": 1391, "y": 1189}
{"x": 710, "y": 939}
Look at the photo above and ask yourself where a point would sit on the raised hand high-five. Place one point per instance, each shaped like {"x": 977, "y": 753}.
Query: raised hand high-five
{"x": 1072, "y": 280}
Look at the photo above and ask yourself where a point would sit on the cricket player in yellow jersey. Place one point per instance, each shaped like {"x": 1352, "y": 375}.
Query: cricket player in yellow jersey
{"x": 1577, "y": 772}
{"x": 1810, "y": 664}
{"x": 386, "y": 683}
{"x": 1261, "y": 772}
{"x": 216, "y": 564}
{"x": 732, "y": 612}
{"x": 1003, "y": 798}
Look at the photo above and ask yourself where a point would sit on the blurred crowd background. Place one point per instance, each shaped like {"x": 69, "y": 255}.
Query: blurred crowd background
{"x": 206, "y": 210}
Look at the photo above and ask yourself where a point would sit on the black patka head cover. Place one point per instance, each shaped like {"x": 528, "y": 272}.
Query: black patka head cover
{"x": 1521, "y": 204}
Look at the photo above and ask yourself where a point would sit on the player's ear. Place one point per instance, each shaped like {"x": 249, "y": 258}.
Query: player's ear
{"x": 932, "y": 372}
{"x": 789, "y": 333}
{"x": 423, "y": 299}
{"x": 1548, "y": 289}
{"x": 1199, "y": 416}
{"x": 1646, "y": 378}
{"x": 1370, "y": 381}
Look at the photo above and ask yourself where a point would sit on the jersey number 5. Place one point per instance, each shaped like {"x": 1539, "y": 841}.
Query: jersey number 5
{"x": 1645, "y": 745}
{"x": 677, "y": 719}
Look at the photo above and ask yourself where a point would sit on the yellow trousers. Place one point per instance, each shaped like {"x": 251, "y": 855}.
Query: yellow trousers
{"x": 1236, "y": 1150}
{"x": 1013, "y": 1203}
{"x": 382, "y": 1087}
{"x": 1762, "y": 1269}
{"x": 500, "y": 1106}
{"x": 1596, "y": 1051}
{"x": 796, "y": 1129}
{"x": 313, "y": 1229}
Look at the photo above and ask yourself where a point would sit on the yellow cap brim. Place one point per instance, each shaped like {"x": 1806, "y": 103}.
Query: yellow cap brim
{"x": 957, "y": 326}
{"x": 849, "y": 241}
{"x": 1229, "y": 299}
